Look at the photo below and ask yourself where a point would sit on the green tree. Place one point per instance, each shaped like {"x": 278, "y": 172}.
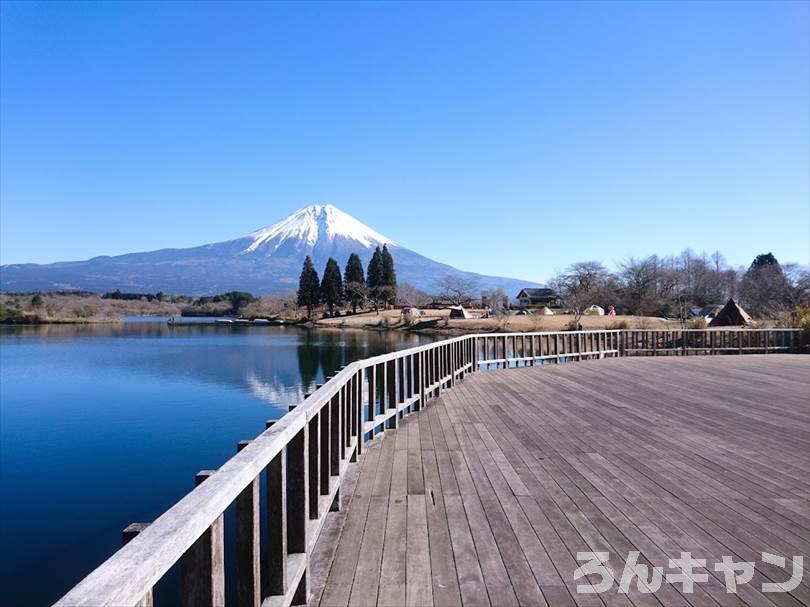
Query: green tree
{"x": 332, "y": 286}
{"x": 763, "y": 260}
{"x": 389, "y": 277}
{"x": 37, "y": 301}
{"x": 764, "y": 289}
{"x": 309, "y": 288}
{"x": 354, "y": 281}
{"x": 374, "y": 279}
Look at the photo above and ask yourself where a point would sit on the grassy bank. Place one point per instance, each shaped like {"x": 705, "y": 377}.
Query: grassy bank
{"x": 83, "y": 308}
{"x": 438, "y": 322}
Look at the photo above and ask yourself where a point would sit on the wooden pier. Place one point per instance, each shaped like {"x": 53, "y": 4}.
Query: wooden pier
{"x": 486, "y": 496}
{"x": 413, "y": 478}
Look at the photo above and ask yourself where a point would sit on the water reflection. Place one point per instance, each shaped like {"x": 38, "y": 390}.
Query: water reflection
{"x": 103, "y": 425}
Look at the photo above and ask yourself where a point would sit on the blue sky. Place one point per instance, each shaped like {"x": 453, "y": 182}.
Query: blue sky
{"x": 502, "y": 138}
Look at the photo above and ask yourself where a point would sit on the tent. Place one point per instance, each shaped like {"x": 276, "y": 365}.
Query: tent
{"x": 546, "y": 311}
{"x": 732, "y": 315}
{"x": 594, "y": 311}
{"x": 410, "y": 313}
{"x": 459, "y": 312}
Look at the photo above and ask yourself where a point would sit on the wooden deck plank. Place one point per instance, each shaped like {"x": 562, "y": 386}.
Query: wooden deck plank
{"x": 392, "y": 574}
{"x": 344, "y": 562}
{"x": 485, "y": 496}
{"x": 366, "y": 581}
{"x": 444, "y": 576}
{"x": 419, "y": 586}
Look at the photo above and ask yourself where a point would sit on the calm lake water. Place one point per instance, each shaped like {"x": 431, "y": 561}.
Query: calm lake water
{"x": 102, "y": 426}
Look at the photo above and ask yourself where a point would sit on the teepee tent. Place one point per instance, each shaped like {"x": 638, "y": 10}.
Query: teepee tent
{"x": 732, "y": 315}
{"x": 546, "y": 311}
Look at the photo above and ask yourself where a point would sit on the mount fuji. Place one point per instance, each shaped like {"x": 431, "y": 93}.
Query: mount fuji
{"x": 266, "y": 261}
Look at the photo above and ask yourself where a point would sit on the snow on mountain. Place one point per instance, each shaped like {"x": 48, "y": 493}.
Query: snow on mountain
{"x": 266, "y": 261}
{"x": 314, "y": 223}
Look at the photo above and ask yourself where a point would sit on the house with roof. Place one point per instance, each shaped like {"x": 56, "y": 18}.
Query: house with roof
{"x": 538, "y": 298}
{"x": 708, "y": 312}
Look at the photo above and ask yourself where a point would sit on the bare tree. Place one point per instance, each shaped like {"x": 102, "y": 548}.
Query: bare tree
{"x": 581, "y": 285}
{"x": 798, "y": 292}
{"x": 457, "y": 290}
{"x": 639, "y": 278}
{"x": 496, "y": 300}
{"x": 408, "y": 295}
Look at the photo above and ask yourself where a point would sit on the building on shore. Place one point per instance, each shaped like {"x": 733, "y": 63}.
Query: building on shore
{"x": 538, "y": 298}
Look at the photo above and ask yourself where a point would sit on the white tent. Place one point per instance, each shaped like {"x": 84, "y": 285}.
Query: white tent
{"x": 459, "y": 312}
{"x": 411, "y": 313}
{"x": 546, "y": 311}
{"x": 594, "y": 311}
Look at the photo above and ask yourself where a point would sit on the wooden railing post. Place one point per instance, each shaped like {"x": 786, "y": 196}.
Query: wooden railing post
{"x": 371, "y": 379}
{"x": 334, "y": 434}
{"x": 437, "y": 370}
{"x": 401, "y": 380}
{"x": 345, "y": 420}
{"x": 391, "y": 385}
{"x": 297, "y": 505}
{"x": 336, "y": 452}
{"x": 297, "y": 480}
{"x": 359, "y": 421}
{"x": 313, "y": 448}
{"x": 127, "y": 535}
{"x": 274, "y": 575}
{"x": 248, "y": 582}
{"x": 325, "y": 420}
{"x": 422, "y": 382}
{"x": 434, "y": 371}
{"x": 416, "y": 380}
{"x": 202, "y": 567}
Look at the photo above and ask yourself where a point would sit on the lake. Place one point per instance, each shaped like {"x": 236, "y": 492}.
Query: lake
{"x": 105, "y": 425}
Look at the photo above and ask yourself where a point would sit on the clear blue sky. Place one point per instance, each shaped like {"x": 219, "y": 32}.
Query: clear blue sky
{"x": 501, "y": 138}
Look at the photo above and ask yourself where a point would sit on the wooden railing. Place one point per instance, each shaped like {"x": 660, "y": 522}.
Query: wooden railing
{"x": 686, "y": 342}
{"x": 506, "y": 350}
{"x": 305, "y": 456}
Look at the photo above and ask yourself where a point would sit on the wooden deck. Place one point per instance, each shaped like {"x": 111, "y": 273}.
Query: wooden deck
{"x": 486, "y": 496}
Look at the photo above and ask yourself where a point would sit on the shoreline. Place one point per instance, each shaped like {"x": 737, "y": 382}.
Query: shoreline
{"x": 437, "y": 324}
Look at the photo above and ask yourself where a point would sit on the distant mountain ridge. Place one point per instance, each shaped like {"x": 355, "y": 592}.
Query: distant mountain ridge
{"x": 267, "y": 261}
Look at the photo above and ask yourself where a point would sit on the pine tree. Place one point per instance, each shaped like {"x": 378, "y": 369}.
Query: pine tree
{"x": 375, "y": 278}
{"x": 354, "y": 281}
{"x": 389, "y": 276}
{"x": 332, "y": 286}
{"x": 308, "y": 287}
{"x": 764, "y": 260}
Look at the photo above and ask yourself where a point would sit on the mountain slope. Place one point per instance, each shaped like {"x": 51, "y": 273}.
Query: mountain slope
{"x": 266, "y": 261}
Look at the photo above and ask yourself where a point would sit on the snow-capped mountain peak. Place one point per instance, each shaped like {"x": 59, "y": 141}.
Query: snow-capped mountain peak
{"x": 313, "y": 224}
{"x": 265, "y": 262}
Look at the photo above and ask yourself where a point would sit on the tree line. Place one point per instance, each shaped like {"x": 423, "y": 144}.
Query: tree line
{"x": 672, "y": 286}
{"x": 355, "y": 287}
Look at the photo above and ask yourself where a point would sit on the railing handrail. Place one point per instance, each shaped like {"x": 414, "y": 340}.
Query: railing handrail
{"x": 130, "y": 572}
{"x": 715, "y": 329}
{"x": 126, "y": 576}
